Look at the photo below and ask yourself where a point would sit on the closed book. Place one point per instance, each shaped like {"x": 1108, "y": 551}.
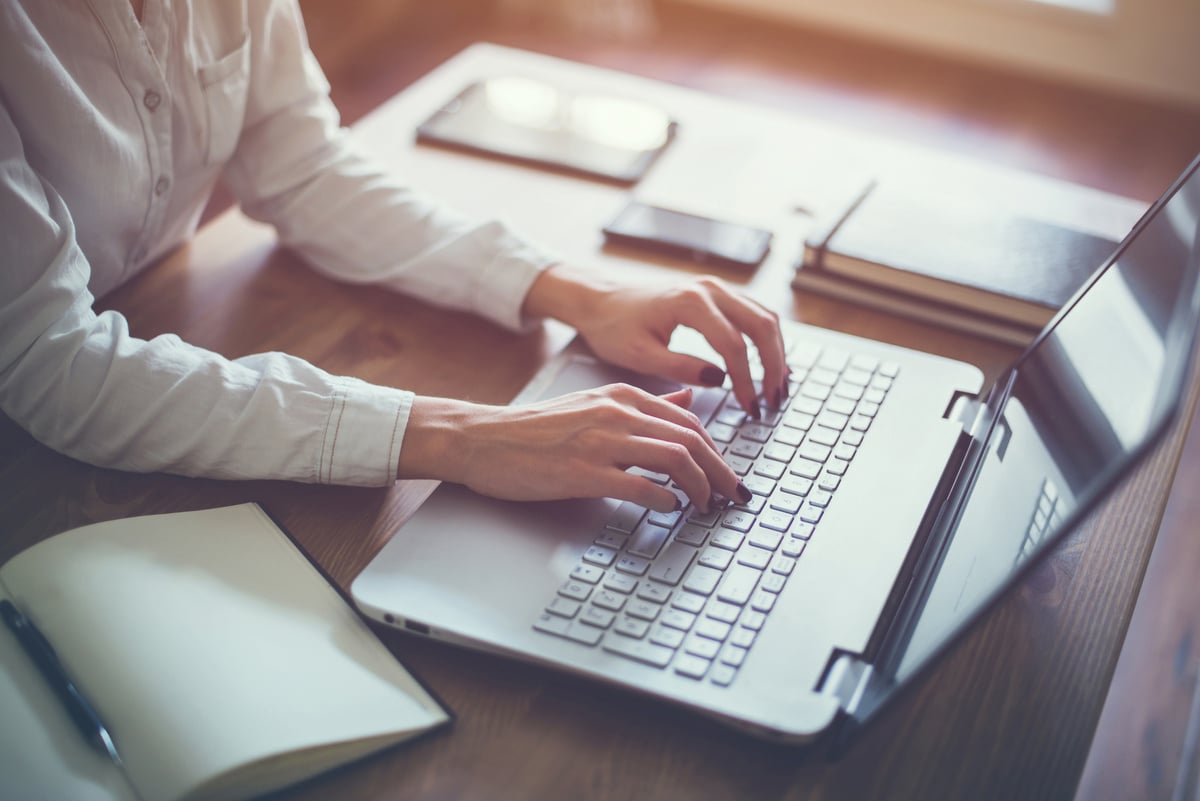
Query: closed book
{"x": 221, "y": 662}
{"x": 873, "y": 296}
{"x": 959, "y": 250}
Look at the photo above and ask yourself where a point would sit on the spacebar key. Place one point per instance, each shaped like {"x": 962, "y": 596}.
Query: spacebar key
{"x": 640, "y": 650}
{"x": 673, "y": 563}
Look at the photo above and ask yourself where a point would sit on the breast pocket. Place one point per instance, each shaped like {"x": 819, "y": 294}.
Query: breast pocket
{"x": 224, "y": 83}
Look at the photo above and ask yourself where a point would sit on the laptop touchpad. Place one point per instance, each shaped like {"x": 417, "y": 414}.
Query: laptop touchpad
{"x": 581, "y": 372}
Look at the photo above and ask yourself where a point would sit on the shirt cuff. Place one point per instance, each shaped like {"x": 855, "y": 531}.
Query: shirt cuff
{"x": 363, "y": 434}
{"x": 503, "y": 284}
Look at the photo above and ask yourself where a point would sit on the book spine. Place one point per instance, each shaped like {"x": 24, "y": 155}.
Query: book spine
{"x": 818, "y": 239}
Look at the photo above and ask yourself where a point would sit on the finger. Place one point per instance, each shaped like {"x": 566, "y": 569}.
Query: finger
{"x": 685, "y": 368}
{"x": 675, "y": 407}
{"x": 725, "y": 339}
{"x": 638, "y": 489}
{"x": 719, "y": 476}
{"x": 762, "y": 326}
{"x": 676, "y": 460}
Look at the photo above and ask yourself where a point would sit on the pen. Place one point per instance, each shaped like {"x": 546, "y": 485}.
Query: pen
{"x": 42, "y": 653}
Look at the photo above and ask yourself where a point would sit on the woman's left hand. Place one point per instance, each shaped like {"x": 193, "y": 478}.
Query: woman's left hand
{"x": 631, "y": 325}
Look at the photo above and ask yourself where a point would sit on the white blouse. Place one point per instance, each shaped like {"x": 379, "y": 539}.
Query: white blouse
{"x": 112, "y": 136}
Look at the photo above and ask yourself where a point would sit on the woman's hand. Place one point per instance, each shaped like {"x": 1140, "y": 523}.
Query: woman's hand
{"x": 631, "y": 325}
{"x": 575, "y": 446}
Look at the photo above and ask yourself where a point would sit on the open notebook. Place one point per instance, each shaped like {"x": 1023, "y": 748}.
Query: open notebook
{"x": 220, "y": 660}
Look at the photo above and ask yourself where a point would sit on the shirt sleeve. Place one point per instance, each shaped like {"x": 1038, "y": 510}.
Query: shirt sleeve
{"x": 297, "y": 169}
{"x": 82, "y": 384}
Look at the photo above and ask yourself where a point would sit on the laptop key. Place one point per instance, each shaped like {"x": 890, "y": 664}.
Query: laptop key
{"x": 702, "y": 580}
{"x": 820, "y": 498}
{"x": 688, "y": 602}
{"x": 594, "y": 616}
{"x": 733, "y": 655}
{"x": 564, "y": 607}
{"x": 767, "y": 538}
{"x": 822, "y": 436}
{"x": 612, "y": 539}
{"x": 737, "y": 520}
{"x": 643, "y": 610}
{"x": 813, "y": 452}
{"x": 598, "y": 555}
{"x": 647, "y": 540}
{"x": 691, "y": 666}
{"x": 678, "y": 619}
{"x": 793, "y": 547}
{"x": 721, "y": 432}
{"x": 589, "y": 573}
{"x": 607, "y": 599}
{"x": 738, "y": 584}
{"x": 774, "y": 581}
{"x": 581, "y": 632}
{"x": 631, "y": 627}
{"x": 702, "y": 647}
{"x": 747, "y": 449}
{"x": 727, "y": 538}
{"x": 620, "y": 583}
{"x": 722, "y": 675}
{"x": 724, "y": 612}
{"x": 717, "y": 558}
{"x": 655, "y": 593}
{"x": 753, "y": 556}
{"x": 638, "y": 650}
{"x": 634, "y": 565}
{"x": 575, "y": 590}
{"x": 738, "y": 464}
{"x": 670, "y": 567}
{"x": 626, "y": 516}
{"x": 552, "y": 624}
{"x": 668, "y": 637}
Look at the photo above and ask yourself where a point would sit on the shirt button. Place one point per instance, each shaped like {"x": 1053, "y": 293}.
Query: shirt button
{"x": 151, "y": 99}
{"x": 162, "y": 185}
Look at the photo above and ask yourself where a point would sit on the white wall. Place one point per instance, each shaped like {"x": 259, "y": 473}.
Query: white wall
{"x": 1147, "y": 47}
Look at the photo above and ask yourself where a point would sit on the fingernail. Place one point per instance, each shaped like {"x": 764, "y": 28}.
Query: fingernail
{"x": 712, "y": 376}
{"x": 753, "y": 413}
{"x": 715, "y": 502}
{"x": 678, "y": 505}
{"x": 778, "y": 397}
{"x": 744, "y": 493}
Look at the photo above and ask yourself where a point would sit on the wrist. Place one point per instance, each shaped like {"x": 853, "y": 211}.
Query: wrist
{"x": 566, "y": 293}
{"x": 435, "y": 445}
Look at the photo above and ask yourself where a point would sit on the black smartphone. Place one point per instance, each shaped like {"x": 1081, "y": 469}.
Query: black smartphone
{"x": 700, "y": 239}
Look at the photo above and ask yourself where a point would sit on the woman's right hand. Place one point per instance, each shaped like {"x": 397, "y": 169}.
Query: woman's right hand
{"x": 575, "y": 446}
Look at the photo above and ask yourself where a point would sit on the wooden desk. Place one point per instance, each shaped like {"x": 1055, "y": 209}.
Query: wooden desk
{"x": 1009, "y": 714}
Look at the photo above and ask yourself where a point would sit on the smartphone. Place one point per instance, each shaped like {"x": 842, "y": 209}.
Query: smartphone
{"x": 700, "y": 239}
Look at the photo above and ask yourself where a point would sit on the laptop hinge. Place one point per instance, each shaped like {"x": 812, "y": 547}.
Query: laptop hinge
{"x": 969, "y": 411}
{"x": 847, "y": 680}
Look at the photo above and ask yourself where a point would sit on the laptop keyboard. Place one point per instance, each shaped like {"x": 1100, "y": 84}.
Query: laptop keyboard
{"x": 689, "y": 591}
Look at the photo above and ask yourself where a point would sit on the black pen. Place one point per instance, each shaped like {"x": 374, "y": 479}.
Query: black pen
{"x": 42, "y": 653}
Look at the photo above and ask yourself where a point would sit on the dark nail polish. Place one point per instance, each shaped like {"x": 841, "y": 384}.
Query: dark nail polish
{"x": 715, "y": 503}
{"x": 753, "y": 412}
{"x": 678, "y": 505}
{"x": 744, "y": 493}
{"x": 712, "y": 376}
{"x": 778, "y": 397}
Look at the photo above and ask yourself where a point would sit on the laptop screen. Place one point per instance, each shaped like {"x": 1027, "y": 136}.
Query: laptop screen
{"x": 1084, "y": 400}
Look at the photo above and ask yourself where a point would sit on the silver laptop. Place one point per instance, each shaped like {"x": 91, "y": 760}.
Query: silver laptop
{"x": 894, "y": 500}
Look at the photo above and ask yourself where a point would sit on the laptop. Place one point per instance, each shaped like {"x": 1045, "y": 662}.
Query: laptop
{"x": 895, "y": 499}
